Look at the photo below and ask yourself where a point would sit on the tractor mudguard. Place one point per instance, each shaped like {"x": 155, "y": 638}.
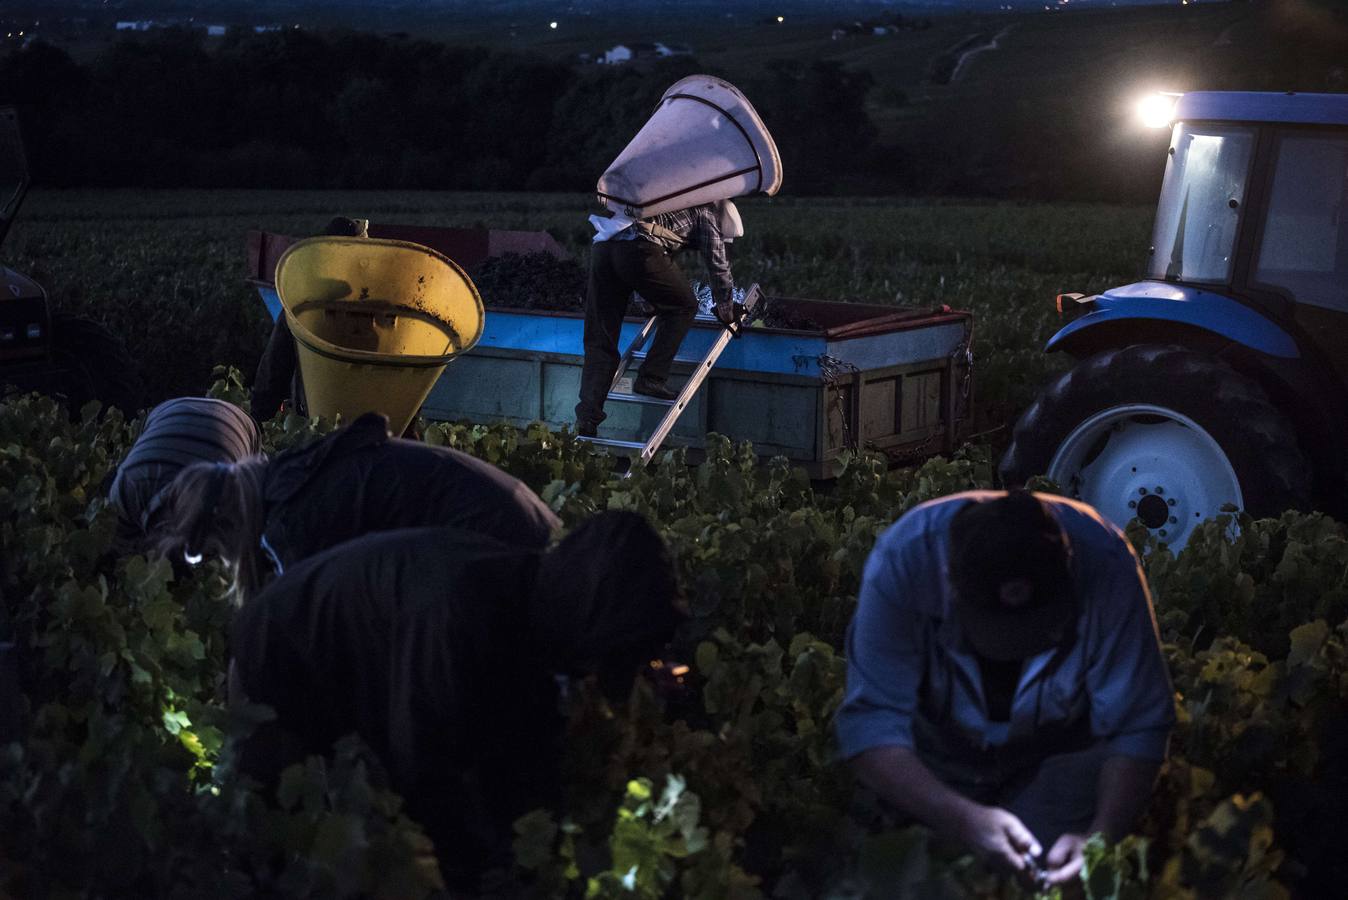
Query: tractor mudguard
{"x": 1159, "y": 302}
{"x": 17, "y": 286}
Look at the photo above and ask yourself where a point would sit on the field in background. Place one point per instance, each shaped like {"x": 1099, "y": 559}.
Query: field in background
{"x": 1024, "y": 105}
{"x": 165, "y": 269}
{"x": 1048, "y": 112}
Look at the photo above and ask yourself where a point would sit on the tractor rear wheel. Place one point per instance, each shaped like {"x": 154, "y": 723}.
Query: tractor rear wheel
{"x": 1162, "y": 434}
{"x": 95, "y": 365}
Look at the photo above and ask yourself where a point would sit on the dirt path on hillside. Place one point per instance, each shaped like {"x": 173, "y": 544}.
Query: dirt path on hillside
{"x": 969, "y": 54}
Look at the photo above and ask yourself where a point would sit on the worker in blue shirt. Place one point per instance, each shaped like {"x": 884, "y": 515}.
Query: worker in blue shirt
{"x": 1005, "y": 682}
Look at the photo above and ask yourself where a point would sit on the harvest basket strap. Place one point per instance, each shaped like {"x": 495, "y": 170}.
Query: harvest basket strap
{"x": 758, "y": 160}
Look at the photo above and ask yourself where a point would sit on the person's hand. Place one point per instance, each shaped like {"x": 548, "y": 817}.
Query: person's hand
{"x": 728, "y": 312}
{"x": 1000, "y": 836}
{"x": 1065, "y": 860}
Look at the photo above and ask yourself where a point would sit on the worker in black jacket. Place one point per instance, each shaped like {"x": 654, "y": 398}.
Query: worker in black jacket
{"x": 442, "y": 650}
{"x": 263, "y": 516}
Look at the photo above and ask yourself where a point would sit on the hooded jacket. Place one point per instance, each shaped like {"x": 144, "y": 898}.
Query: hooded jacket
{"x": 440, "y": 648}
{"x": 416, "y": 640}
{"x": 359, "y": 480}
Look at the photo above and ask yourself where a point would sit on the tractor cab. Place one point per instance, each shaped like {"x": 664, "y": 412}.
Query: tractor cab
{"x": 1255, "y": 198}
{"x": 68, "y": 356}
{"x": 1250, "y": 241}
{"x": 1226, "y": 364}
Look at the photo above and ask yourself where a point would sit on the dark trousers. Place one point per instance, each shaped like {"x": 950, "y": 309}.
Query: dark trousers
{"x": 617, "y": 268}
{"x": 278, "y": 375}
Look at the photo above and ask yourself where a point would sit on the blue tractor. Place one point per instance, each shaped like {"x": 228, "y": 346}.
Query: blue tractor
{"x": 1222, "y": 378}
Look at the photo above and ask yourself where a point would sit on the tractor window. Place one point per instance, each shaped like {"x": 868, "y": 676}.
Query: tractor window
{"x": 13, "y": 167}
{"x": 1200, "y": 207}
{"x": 1305, "y": 243}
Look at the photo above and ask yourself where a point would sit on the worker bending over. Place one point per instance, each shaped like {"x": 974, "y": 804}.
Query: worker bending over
{"x": 443, "y": 649}
{"x": 262, "y": 516}
{"x": 1005, "y": 682}
{"x": 629, "y": 256}
{"x": 178, "y": 433}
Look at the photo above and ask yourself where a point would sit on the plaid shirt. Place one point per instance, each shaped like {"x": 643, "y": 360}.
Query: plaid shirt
{"x": 697, "y": 227}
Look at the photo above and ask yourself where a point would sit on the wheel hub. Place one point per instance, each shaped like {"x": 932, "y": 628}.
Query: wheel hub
{"x": 1150, "y": 463}
{"x": 1152, "y": 512}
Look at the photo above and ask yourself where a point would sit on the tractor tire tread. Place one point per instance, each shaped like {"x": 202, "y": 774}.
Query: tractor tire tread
{"x": 109, "y": 373}
{"x": 1261, "y": 444}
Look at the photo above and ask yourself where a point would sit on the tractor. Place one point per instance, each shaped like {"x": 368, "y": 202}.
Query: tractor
{"x": 1221, "y": 379}
{"x": 70, "y": 357}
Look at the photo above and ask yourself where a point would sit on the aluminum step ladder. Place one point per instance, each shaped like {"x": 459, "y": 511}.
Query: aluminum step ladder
{"x": 636, "y": 350}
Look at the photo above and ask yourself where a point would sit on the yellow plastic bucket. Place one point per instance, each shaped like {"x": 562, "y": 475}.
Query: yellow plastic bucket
{"x": 375, "y": 321}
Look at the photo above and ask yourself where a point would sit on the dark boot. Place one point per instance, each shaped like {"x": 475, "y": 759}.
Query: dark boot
{"x": 649, "y": 387}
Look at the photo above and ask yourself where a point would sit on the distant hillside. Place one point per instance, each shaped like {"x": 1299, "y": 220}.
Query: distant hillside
{"x": 1049, "y": 111}
{"x": 883, "y": 99}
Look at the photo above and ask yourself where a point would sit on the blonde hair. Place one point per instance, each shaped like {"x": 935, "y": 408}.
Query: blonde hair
{"x": 216, "y": 509}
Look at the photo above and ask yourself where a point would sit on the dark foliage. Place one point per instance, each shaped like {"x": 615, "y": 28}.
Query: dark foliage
{"x": 121, "y": 782}
{"x": 817, "y": 115}
{"x": 294, "y": 109}
{"x": 307, "y": 109}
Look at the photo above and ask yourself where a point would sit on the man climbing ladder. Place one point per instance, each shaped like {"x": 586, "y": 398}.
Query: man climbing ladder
{"x": 669, "y": 190}
{"x": 637, "y": 256}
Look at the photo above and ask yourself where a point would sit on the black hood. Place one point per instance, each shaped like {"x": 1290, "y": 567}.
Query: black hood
{"x": 607, "y": 595}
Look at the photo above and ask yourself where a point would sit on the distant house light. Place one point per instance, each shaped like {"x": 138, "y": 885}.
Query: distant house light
{"x": 624, "y": 53}
{"x": 552, "y": 25}
{"x": 671, "y": 50}
{"x": 781, "y": 19}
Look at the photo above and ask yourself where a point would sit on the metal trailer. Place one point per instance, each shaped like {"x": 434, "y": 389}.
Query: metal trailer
{"x": 885, "y": 378}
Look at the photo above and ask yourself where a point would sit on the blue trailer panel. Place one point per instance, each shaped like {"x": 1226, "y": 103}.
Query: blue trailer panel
{"x": 904, "y": 381}
{"x": 892, "y": 379}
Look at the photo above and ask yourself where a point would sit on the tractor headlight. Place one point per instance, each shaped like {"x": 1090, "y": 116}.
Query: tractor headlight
{"x": 1157, "y": 110}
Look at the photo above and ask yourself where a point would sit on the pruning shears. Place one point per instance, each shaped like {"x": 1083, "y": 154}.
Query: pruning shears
{"x": 1038, "y": 872}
